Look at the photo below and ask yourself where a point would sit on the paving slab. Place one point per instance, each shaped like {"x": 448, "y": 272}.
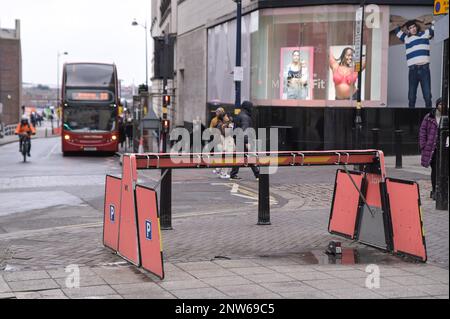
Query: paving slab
{"x": 199, "y": 293}
{"x": 226, "y": 281}
{"x": 354, "y": 293}
{"x": 93, "y": 292}
{"x": 287, "y": 287}
{"x": 33, "y": 285}
{"x": 25, "y": 275}
{"x": 264, "y": 278}
{"x": 4, "y": 288}
{"x": 244, "y": 291}
{"x": 148, "y": 289}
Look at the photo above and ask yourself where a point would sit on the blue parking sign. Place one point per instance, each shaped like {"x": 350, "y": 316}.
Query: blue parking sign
{"x": 148, "y": 230}
{"x": 112, "y": 213}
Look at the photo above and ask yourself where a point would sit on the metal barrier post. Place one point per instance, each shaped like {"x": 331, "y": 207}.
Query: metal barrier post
{"x": 442, "y": 167}
{"x": 263, "y": 200}
{"x": 166, "y": 200}
{"x": 398, "y": 148}
{"x": 375, "y": 138}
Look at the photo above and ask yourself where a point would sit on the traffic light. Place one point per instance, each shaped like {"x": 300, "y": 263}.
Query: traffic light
{"x": 166, "y": 126}
{"x": 166, "y": 100}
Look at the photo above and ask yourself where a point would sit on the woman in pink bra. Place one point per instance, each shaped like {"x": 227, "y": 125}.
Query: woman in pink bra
{"x": 344, "y": 75}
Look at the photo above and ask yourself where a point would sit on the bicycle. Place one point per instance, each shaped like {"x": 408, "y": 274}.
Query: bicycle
{"x": 25, "y": 148}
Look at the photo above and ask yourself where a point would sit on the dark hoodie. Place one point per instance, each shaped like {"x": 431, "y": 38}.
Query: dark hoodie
{"x": 244, "y": 119}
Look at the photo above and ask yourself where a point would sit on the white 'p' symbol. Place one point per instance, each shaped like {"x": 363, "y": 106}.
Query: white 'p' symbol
{"x": 73, "y": 279}
{"x": 373, "y": 280}
{"x": 148, "y": 227}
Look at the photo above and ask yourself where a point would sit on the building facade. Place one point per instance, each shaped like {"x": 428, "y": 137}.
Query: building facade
{"x": 10, "y": 74}
{"x": 313, "y": 99}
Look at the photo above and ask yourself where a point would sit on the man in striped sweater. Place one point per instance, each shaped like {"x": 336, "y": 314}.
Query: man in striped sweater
{"x": 417, "y": 45}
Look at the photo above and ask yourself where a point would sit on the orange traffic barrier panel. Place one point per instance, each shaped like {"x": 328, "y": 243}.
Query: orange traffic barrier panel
{"x": 111, "y": 212}
{"x": 403, "y": 201}
{"x": 128, "y": 246}
{"x": 150, "y": 243}
{"x": 345, "y": 204}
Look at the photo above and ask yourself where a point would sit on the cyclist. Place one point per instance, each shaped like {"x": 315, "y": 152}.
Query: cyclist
{"x": 24, "y": 129}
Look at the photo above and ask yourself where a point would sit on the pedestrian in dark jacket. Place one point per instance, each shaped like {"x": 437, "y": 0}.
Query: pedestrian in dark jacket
{"x": 428, "y": 142}
{"x": 244, "y": 121}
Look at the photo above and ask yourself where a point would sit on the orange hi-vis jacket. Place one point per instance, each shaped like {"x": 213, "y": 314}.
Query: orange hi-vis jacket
{"x": 27, "y": 128}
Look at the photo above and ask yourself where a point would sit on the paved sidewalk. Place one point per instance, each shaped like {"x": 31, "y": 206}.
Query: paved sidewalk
{"x": 41, "y": 131}
{"x": 212, "y": 254}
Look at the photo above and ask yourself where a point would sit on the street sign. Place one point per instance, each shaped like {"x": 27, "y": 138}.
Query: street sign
{"x": 238, "y": 74}
{"x": 440, "y": 7}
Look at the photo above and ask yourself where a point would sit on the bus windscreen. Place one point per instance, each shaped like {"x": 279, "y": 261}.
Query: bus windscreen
{"x": 89, "y": 75}
{"x": 89, "y": 119}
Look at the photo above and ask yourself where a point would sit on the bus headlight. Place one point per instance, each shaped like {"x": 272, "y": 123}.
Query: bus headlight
{"x": 114, "y": 137}
{"x": 67, "y": 137}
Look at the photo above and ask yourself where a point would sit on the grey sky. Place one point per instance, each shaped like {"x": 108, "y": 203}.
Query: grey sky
{"x": 89, "y": 30}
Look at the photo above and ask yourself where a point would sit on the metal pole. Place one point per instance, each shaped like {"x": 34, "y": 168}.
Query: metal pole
{"x": 398, "y": 149}
{"x": 237, "y": 102}
{"x": 263, "y": 200}
{"x": 146, "y": 55}
{"x": 57, "y": 80}
{"x": 375, "y": 138}
{"x": 442, "y": 173}
{"x": 358, "y": 118}
{"x": 166, "y": 199}
{"x": 166, "y": 183}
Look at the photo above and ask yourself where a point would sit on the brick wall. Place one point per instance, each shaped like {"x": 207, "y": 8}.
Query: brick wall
{"x": 10, "y": 79}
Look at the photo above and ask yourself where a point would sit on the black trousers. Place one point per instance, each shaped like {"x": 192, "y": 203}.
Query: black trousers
{"x": 235, "y": 170}
{"x": 433, "y": 171}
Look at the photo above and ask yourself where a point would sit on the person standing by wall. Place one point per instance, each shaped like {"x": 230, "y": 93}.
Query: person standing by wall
{"x": 428, "y": 142}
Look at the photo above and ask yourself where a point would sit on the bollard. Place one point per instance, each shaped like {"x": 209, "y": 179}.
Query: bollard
{"x": 375, "y": 138}
{"x": 263, "y": 200}
{"x": 45, "y": 132}
{"x": 398, "y": 148}
{"x": 166, "y": 200}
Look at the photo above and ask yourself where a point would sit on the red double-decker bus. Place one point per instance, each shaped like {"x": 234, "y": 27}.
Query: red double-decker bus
{"x": 90, "y": 105}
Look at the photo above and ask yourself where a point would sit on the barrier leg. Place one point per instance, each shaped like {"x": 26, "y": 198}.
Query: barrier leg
{"x": 264, "y": 200}
{"x": 398, "y": 148}
{"x": 375, "y": 138}
{"x": 166, "y": 200}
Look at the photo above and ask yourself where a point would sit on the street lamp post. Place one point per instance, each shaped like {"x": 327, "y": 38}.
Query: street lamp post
{"x": 135, "y": 23}
{"x": 58, "y": 99}
{"x": 359, "y": 68}
{"x": 237, "y": 101}
{"x": 141, "y": 114}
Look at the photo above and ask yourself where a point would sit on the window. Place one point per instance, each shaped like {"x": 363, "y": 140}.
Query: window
{"x": 305, "y": 57}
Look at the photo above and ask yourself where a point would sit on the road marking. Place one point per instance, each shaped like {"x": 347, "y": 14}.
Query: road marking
{"x": 52, "y": 150}
{"x": 245, "y": 192}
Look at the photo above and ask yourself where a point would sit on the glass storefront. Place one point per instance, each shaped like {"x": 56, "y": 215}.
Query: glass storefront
{"x": 305, "y": 57}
